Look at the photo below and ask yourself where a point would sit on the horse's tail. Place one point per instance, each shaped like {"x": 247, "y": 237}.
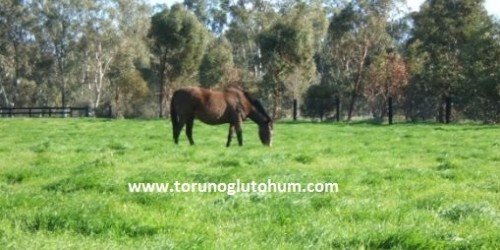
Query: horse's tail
{"x": 173, "y": 113}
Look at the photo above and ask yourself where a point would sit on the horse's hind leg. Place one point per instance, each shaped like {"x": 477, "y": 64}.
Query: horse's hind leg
{"x": 230, "y": 135}
{"x": 239, "y": 133}
{"x": 189, "y": 130}
{"x": 177, "y": 130}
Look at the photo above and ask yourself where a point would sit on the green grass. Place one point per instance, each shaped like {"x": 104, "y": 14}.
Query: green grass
{"x": 63, "y": 184}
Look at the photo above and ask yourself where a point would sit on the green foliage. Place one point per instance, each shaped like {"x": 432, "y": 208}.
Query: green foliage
{"x": 217, "y": 64}
{"x": 199, "y": 9}
{"x": 287, "y": 47}
{"x": 406, "y": 186}
{"x": 213, "y": 13}
{"x": 449, "y": 38}
{"x": 357, "y": 34}
{"x": 387, "y": 76}
{"x": 130, "y": 89}
{"x": 318, "y": 101}
{"x": 178, "y": 41}
{"x": 479, "y": 93}
{"x": 55, "y": 53}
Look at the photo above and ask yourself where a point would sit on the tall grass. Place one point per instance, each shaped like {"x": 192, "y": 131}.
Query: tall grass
{"x": 63, "y": 184}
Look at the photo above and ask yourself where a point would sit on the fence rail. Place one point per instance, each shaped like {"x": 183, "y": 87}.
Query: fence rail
{"x": 390, "y": 109}
{"x": 45, "y": 111}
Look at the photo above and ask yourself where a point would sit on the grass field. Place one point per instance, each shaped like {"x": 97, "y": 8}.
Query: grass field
{"x": 64, "y": 185}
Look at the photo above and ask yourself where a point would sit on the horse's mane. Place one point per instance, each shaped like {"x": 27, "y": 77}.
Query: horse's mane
{"x": 258, "y": 105}
{"x": 238, "y": 86}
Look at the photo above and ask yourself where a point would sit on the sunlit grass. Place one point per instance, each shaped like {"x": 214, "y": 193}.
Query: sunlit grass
{"x": 63, "y": 184}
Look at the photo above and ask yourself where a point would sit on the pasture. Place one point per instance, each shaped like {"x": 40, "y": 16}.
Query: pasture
{"x": 63, "y": 185}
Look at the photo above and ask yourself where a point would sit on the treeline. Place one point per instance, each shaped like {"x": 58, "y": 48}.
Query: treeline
{"x": 322, "y": 53}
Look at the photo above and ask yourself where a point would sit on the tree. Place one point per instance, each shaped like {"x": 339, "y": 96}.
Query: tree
{"x": 16, "y": 23}
{"x": 129, "y": 87}
{"x": 57, "y": 33}
{"x": 211, "y": 13}
{"x": 386, "y": 77}
{"x": 217, "y": 64}
{"x": 111, "y": 27}
{"x": 355, "y": 35}
{"x": 479, "y": 93}
{"x": 287, "y": 47}
{"x": 178, "y": 42}
{"x": 248, "y": 20}
{"x": 318, "y": 101}
{"x": 443, "y": 32}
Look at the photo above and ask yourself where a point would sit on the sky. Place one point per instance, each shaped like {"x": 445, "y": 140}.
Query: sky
{"x": 493, "y": 6}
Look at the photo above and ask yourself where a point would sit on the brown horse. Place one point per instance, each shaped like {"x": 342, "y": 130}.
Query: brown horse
{"x": 231, "y": 106}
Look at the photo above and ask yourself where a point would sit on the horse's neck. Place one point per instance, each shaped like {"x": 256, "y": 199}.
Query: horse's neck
{"x": 257, "y": 118}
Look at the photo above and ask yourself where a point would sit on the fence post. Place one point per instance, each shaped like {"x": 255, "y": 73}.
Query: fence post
{"x": 110, "y": 114}
{"x": 294, "y": 109}
{"x": 10, "y": 111}
{"x": 448, "y": 109}
{"x": 87, "y": 111}
{"x": 337, "y": 106}
{"x": 389, "y": 102}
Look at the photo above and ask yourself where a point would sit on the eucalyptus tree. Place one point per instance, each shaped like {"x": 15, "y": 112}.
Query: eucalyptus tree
{"x": 129, "y": 88}
{"x": 111, "y": 27}
{"x": 356, "y": 33}
{"x": 479, "y": 92}
{"x": 387, "y": 76}
{"x": 16, "y": 47}
{"x": 213, "y": 14}
{"x": 57, "y": 32}
{"x": 248, "y": 19}
{"x": 450, "y": 38}
{"x": 287, "y": 55}
{"x": 177, "y": 45}
{"x": 217, "y": 66}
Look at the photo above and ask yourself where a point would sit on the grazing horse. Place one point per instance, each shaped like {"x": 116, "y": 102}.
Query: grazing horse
{"x": 231, "y": 106}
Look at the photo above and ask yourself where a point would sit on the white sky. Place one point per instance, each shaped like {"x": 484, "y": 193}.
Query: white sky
{"x": 493, "y": 6}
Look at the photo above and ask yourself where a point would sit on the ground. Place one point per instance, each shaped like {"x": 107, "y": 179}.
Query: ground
{"x": 64, "y": 184}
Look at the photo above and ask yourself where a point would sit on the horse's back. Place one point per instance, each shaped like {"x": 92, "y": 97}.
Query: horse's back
{"x": 206, "y": 105}
{"x": 185, "y": 99}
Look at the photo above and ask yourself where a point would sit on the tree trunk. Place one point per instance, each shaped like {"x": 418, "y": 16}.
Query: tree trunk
{"x": 63, "y": 91}
{"x": 4, "y": 95}
{"x": 117, "y": 102}
{"x": 352, "y": 101}
{"x": 163, "y": 66}
{"x": 15, "y": 81}
{"x": 440, "y": 115}
{"x": 102, "y": 68}
{"x": 337, "y": 106}
{"x": 357, "y": 81}
{"x": 276, "y": 104}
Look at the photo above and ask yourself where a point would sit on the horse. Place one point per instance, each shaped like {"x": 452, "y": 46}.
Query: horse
{"x": 231, "y": 105}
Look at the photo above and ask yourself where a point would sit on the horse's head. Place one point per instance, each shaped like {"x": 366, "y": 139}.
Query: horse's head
{"x": 259, "y": 115}
{"x": 266, "y": 133}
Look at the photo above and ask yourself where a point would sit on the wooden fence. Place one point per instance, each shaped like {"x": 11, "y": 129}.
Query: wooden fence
{"x": 46, "y": 111}
{"x": 318, "y": 109}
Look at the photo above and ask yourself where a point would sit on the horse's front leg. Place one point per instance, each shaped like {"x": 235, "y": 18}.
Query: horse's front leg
{"x": 230, "y": 135}
{"x": 239, "y": 133}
